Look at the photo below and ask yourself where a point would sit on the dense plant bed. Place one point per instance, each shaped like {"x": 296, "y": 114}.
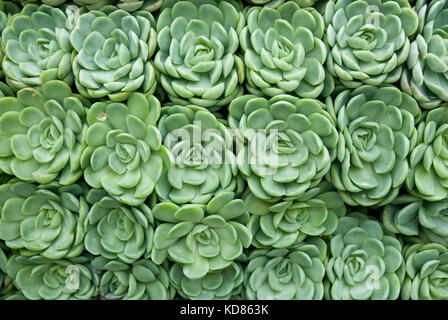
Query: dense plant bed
{"x": 224, "y": 149}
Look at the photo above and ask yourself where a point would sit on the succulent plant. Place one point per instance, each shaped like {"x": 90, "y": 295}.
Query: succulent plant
{"x": 428, "y": 166}
{"x": 5, "y": 91}
{"x": 426, "y": 272}
{"x": 42, "y": 134}
{"x": 424, "y": 76}
{"x": 4, "y": 179}
{"x": 413, "y": 216}
{"x": 37, "y": 47}
{"x": 376, "y": 135}
{"x": 202, "y": 238}
{"x": 124, "y": 153}
{"x": 39, "y": 278}
{"x": 222, "y": 284}
{"x": 204, "y": 162}
{"x": 369, "y": 40}
{"x": 144, "y": 5}
{"x": 279, "y": 224}
{"x": 141, "y": 280}
{"x": 287, "y": 143}
{"x": 223, "y": 150}
{"x": 117, "y": 231}
{"x": 276, "y": 3}
{"x": 43, "y": 220}
{"x": 294, "y": 273}
{"x": 6, "y": 286}
{"x": 112, "y": 53}
{"x": 197, "y": 57}
{"x": 127, "y": 5}
{"x": 365, "y": 262}
{"x": 53, "y": 3}
{"x": 284, "y": 51}
{"x": 7, "y": 9}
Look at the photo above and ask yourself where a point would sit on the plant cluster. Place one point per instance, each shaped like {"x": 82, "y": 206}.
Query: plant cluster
{"x": 224, "y": 149}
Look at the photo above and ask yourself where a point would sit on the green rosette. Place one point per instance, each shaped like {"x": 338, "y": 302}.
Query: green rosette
{"x": 141, "y": 280}
{"x": 202, "y": 238}
{"x": 428, "y": 172}
{"x": 112, "y": 54}
{"x": 284, "y": 51}
{"x": 143, "y": 5}
{"x": 117, "y": 231}
{"x": 46, "y": 220}
{"x": 39, "y": 278}
{"x": 365, "y": 263}
{"x": 424, "y": 75}
{"x": 426, "y": 272}
{"x": 124, "y": 154}
{"x": 276, "y": 3}
{"x": 204, "y": 162}
{"x": 37, "y": 47}
{"x": 198, "y": 41}
{"x": 294, "y": 273}
{"x": 286, "y": 144}
{"x": 42, "y": 134}
{"x": 222, "y": 284}
{"x": 279, "y": 224}
{"x": 376, "y": 136}
{"x": 369, "y": 40}
{"x": 412, "y": 216}
{"x": 7, "y": 9}
{"x": 127, "y": 5}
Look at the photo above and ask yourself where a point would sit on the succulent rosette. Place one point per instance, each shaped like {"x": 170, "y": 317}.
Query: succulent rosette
{"x": 365, "y": 262}
{"x": 144, "y": 5}
{"x": 141, "y": 280}
{"x": 286, "y": 143}
{"x": 426, "y": 272}
{"x": 40, "y": 278}
{"x": 53, "y": 3}
{"x": 276, "y": 3}
{"x": 428, "y": 170}
{"x": 112, "y": 54}
{"x": 117, "y": 231}
{"x": 412, "y": 216}
{"x": 294, "y": 273}
{"x": 202, "y": 238}
{"x": 204, "y": 162}
{"x": 369, "y": 40}
{"x": 279, "y": 224}
{"x": 37, "y": 47}
{"x": 47, "y": 220}
{"x": 124, "y": 153}
{"x": 42, "y": 134}
{"x": 7, "y": 9}
{"x": 424, "y": 76}
{"x": 127, "y": 5}
{"x": 222, "y": 284}
{"x": 197, "y": 56}
{"x": 284, "y": 51}
{"x": 376, "y": 135}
